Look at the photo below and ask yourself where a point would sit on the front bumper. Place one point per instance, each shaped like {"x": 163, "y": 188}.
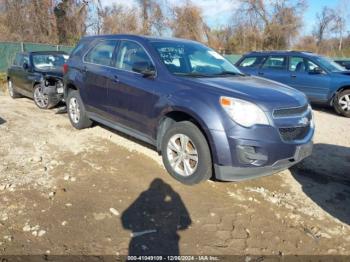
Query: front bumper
{"x": 53, "y": 96}
{"x": 230, "y": 173}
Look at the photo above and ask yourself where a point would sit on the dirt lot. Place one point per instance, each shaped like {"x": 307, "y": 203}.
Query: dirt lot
{"x": 94, "y": 191}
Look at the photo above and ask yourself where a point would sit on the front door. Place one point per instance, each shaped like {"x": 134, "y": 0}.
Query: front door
{"x": 303, "y": 76}
{"x": 131, "y": 97}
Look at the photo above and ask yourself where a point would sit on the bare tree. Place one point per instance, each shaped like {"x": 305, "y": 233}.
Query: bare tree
{"x": 188, "y": 22}
{"x": 71, "y": 20}
{"x": 276, "y": 22}
{"x": 24, "y": 20}
{"x": 153, "y": 20}
{"x": 117, "y": 19}
{"x": 325, "y": 19}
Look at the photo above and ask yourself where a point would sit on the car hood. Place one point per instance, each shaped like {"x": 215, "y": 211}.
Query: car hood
{"x": 266, "y": 93}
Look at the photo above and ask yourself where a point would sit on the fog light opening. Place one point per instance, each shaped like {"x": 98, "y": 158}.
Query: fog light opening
{"x": 251, "y": 155}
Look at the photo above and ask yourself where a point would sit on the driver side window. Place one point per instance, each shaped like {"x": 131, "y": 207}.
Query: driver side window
{"x": 130, "y": 53}
{"x": 311, "y": 65}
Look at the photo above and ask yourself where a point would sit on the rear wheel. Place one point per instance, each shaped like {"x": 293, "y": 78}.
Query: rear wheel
{"x": 186, "y": 154}
{"x": 76, "y": 111}
{"x": 342, "y": 103}
{"x": 11, "y": 89}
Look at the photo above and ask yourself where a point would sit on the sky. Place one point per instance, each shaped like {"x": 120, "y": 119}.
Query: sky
{"x": 219, "y": 12}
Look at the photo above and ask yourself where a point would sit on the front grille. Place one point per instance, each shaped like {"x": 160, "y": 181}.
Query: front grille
{"x": 286, "y": 112}
{"x": 294, "y": 133}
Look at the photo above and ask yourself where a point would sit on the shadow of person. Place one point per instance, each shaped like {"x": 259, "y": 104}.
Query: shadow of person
{"x": 325, "y": 179}
{"x": 154, "y": 219}
{"x": 2, "y": 121}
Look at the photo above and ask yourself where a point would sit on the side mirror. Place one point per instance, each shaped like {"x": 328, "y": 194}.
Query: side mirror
{"x": 25, "y": 66}
{"x": 316, "y": 71}
{"x": 144, "y": 68}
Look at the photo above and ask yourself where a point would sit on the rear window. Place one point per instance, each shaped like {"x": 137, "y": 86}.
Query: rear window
{"x": 276, "y": 62}
{"x": 252, "y": 61}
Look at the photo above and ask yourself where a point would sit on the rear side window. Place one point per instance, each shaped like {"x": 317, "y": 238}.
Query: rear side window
{"x": 130, "y": 53}
{"x": 102, "y": 53}
{"x": 252, "y": 61}
{"x": 276, "y": 63}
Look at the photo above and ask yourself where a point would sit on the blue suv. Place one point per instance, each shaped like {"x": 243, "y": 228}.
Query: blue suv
{"x": 321, "y": 79}
{"x": 202, "y": 114}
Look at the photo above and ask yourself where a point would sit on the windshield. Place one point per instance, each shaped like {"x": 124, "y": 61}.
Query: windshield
{"x": 192, "y": 59}
{"x": 329, "y": 64}
{"x": 49, "y": 60}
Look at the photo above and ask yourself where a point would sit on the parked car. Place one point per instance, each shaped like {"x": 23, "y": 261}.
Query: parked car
{"x": 38, "y": 75}
{"x": 344, "y": 63}
{"x": 198, "y": 110}
{"x": 321, "y": 79}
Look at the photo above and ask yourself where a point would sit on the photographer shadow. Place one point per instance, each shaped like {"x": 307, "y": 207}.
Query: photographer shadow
{"x": 154, "y": 219}
{"x": 2, "y": 121}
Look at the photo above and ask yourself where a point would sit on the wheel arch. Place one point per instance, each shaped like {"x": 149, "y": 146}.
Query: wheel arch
{"x": 179, "y": 115}
{"x": 339, "y": 90}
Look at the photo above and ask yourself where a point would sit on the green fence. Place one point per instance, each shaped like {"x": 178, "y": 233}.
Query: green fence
{"x": 8, "y": 51}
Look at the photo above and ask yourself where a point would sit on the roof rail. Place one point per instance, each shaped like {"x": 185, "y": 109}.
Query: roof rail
{"x": 279, "y": 51}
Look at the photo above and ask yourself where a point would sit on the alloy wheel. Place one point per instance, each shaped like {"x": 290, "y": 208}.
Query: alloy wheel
{"x": 10, "y": 88}
{"x": 74, "y": 110}
{"x": 182, "y": 155}
{"x": 344, "y": 102}
{"x": 40, "y": 98}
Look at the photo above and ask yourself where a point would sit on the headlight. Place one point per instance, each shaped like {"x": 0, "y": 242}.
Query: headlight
{"x": 243, "y": 112}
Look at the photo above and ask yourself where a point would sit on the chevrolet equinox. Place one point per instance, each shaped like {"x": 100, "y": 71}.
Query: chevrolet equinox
{"x": 205, "y": 117}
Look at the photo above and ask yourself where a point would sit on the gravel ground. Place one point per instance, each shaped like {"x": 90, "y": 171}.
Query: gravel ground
{"x": 96, "y": 191}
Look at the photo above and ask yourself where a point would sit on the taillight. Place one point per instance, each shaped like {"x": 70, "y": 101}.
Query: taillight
{"x": 65, "y": 68}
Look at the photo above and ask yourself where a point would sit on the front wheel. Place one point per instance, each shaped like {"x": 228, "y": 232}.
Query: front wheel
{"x": 41, "y": 99}
{"x": 342, "y": 103}
{"x": 186, "y": 154}
{"x": 76, "y": 111}
{"x": 11, "y": 90}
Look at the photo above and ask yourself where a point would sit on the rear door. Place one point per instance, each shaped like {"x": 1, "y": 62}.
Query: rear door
{"x": 275, "y": 68}
{"x": 97, "y": 74}
{"x": 19, "y": 74}
{"x": 303, "y": 77}
{"x": 251, "y": 64}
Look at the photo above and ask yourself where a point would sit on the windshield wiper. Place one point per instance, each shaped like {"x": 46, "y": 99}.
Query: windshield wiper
{"x": 192, "y": 74}
{"x": 229, "y": 73}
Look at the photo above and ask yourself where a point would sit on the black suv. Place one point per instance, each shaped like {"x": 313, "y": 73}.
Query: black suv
{"x": 38, "y": 75}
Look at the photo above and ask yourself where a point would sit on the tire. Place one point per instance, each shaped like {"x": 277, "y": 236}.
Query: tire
{"x": 342, "y": 103}
{"x": 42, "y": 100}
{"x": 176, "y": 157}
{"x": 76, "y": 111}
{"x": 12, "y": 90}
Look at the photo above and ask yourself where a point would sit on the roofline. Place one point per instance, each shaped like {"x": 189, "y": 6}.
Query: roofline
{"x": 280, "y": 51}
{"x": 143, "y": 37}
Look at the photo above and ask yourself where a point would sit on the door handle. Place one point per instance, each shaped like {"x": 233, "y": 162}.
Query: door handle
{"x": 84, "y": 70}
{"x": 116, "y": 79}
{"x": 260, "y": 73}
{"x": 294, "y": 76}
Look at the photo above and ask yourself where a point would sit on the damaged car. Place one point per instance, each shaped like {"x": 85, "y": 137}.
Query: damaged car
{"x": 38, "y": 75}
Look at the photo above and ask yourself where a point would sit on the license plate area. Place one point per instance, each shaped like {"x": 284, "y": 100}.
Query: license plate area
{"x": 59, "y": 90}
